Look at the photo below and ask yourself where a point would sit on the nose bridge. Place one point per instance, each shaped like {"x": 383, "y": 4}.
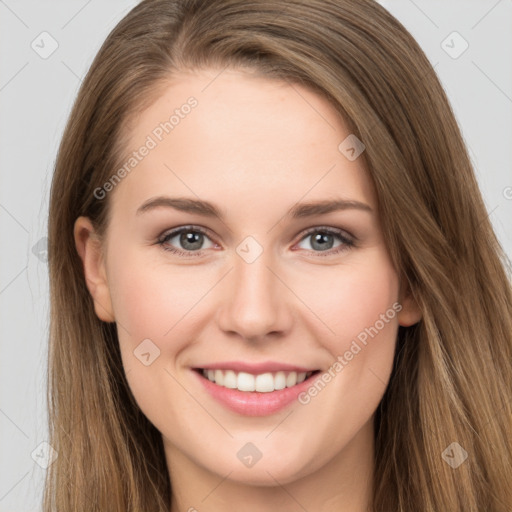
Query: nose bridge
{"x": 255, "y": 302}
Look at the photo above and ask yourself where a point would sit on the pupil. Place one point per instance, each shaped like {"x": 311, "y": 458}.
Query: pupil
{"x": 320, "y": 239}
{"x": 191, "y": 238}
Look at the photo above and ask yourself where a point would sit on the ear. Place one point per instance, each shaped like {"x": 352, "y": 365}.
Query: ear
{"x": 90, "y": 250}
{"x": 410, "y": 313}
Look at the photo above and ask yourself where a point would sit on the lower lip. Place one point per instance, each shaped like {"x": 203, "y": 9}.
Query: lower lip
{"x": 254, "y": 403}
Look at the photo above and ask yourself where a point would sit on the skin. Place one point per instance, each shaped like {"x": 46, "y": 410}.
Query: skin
{"x": 254, "y": 147}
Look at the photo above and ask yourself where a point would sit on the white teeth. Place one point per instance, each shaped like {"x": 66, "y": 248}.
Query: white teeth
{"x": 263, "y": 383}
{"x": 219, "y": 377}
{"x": 279, "y": 380}
{"x": 245, "y": 382}
{"x": 230, "y": 380}
{"x": 291, "y": 380}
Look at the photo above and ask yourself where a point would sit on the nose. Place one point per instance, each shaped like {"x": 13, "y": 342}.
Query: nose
{"x": 255, "y": 301}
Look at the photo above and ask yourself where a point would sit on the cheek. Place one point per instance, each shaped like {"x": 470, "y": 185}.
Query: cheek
{"x": 350, "y": 299}
{"x": 154, "y": 310}
{"x": 362, "y": 311}
{"x": 159, "y": 309}
{"x": 150, "y": 298}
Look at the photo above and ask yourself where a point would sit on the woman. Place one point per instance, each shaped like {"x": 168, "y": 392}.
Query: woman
{"x": 248, "y": 370}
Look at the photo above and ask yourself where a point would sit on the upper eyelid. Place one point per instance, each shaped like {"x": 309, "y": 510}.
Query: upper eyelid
{"x": 177, "y": 231}
{"x": 328, "y": 229}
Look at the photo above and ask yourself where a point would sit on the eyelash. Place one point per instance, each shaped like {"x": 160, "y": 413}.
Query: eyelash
{"x": 347, "y": 242}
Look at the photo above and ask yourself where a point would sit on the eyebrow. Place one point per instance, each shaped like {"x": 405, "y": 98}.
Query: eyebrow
{"x": 207, "y": 209}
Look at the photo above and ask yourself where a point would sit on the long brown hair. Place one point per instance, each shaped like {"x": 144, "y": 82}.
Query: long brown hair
{"x": 452, "y": 377}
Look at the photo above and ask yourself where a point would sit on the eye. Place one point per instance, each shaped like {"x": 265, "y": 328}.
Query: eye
{"x": 323, "y": 240}
{"x": 191, "y": 238}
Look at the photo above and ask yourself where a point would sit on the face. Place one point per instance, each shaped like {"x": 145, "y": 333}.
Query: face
{"x": 262, "y": 294}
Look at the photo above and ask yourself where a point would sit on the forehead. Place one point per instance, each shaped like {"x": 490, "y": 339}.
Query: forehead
{"x": 230, "y": 134}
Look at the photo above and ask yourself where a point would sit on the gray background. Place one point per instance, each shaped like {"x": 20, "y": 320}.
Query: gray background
{"x": 36, "y": 95}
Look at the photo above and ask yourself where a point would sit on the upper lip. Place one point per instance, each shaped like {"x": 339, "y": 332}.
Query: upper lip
{"x": 256, "y": 368}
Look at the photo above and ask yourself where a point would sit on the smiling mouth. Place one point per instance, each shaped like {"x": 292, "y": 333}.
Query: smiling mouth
{"x": 261, "y": 383}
